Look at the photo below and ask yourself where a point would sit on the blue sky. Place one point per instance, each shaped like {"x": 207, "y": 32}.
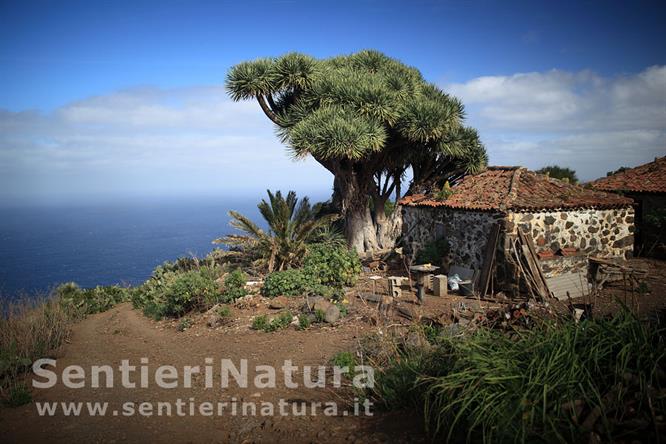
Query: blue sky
{"x": 125, "y": 98}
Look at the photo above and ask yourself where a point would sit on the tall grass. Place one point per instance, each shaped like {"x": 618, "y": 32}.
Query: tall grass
{"x": 30, "y": 328}
{"x": 557, "y": 382}
{"x": 35, "y": 327}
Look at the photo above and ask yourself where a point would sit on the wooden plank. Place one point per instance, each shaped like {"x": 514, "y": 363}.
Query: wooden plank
{"x": 527, "y": 240}
{"x": 489, "y": 259}
{"x": 533, "y": 269}
{"x": 575, "y": 283}
{"x": 530, "y": 244}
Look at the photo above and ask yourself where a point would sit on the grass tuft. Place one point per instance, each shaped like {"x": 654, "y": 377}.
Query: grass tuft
{"x": 556, "y": 382}
{"x": 30, "y": 329}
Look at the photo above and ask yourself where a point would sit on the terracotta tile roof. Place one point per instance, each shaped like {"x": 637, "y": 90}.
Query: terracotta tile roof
{"x": 518, "y": 189}
{"x": 647, "y": 178}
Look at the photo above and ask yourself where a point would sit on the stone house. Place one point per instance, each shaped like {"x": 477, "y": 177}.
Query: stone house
{"x": 566, "y": 221}
{"x": 646, "y": 185}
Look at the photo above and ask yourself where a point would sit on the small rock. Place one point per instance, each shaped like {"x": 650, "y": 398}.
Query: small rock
{"x": 248, "y": 301}
{"x": 278, "y": 303}
{"x": 214, "y": 320}
{"x": 311, "y": 301}
{"x": 322, "y": 304}
{"x": 332, "y": 314}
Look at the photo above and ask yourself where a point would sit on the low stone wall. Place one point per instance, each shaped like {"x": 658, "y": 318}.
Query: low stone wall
{"x": 605, "y": 233}
{"x": 466, "y": 231}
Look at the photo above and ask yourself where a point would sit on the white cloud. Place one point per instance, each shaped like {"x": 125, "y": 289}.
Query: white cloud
{"x": 578, "y": 119}
{"x": 146, "y": 140}
{"x": 152, "y": 140}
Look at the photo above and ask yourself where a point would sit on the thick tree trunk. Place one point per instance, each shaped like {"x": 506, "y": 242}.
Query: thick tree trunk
{"x": 387, "y": 228}
{"x": 360, "y": 230}
{"x": 364, "y": 232}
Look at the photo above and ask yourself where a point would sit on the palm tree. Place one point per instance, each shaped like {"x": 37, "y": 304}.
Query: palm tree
{"x": 291, "y": 225}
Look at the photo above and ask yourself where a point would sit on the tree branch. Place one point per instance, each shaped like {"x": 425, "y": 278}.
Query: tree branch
{"x": 267, "y": 110}
{"x": 271, "y": 102}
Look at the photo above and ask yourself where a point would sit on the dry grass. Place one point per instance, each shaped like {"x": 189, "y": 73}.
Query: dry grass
{"x": 30, "y": 328}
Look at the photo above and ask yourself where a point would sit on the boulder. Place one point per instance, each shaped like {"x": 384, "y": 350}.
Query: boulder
{"x": 332, "y": 314}
{"x": 311, "y": 301}
{"x": 278, "y": 303}
{"x": 321, "y": 304}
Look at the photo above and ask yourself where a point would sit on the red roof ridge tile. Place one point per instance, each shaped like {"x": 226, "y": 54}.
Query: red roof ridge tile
{"x": 518, "y": 189}
{"x": 512, "y": 192}
{"x": 646, "y": 178}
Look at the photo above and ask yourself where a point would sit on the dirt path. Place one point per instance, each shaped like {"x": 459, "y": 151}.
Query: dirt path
{"x": 122, "y": 333}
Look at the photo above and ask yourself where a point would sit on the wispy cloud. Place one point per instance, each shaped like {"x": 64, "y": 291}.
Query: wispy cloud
{"x": 579, "y": 119}
{"x": 148, "y": 140}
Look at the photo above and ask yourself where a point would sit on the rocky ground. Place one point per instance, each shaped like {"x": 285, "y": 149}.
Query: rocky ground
{"x": 124, "y": 333}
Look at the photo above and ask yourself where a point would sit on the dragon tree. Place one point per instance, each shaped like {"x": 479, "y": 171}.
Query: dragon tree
{"x": 371, "y": 121}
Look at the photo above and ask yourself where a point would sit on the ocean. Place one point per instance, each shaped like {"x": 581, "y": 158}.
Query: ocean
{"x": 104, "y": 244}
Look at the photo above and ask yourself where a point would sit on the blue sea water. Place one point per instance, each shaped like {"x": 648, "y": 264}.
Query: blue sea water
{"x": 103, "y": 244}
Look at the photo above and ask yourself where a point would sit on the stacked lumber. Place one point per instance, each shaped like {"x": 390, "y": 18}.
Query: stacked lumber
{"x": 525, "y": 260}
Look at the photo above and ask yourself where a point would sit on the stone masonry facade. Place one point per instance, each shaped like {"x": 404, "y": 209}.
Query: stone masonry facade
{"x": 466, "y": 231}
{"x": 604, "y": 233}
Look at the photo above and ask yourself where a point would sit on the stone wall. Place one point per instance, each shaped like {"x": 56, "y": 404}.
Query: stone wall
{"x": 605, "y": 233}
{"x": 466, "y": 231}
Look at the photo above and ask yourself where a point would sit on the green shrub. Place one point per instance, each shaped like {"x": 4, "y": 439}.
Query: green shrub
{"x": 281, "y": 321}
{"x": 285, "y": 283}
{"x": 184, "y": 324}
{"x": 344, "y": 359}
{"x": 344, "y": 311}
{"x": 326, "y": 270}
{"x": 320, "y": 316}
{"x": 303, "y": 322}
{"x": 85, "y": 301}
{"x": 154, "y": 311}
{"x": 433, "y": 253}
{"x": 224, "y": 311}
{"x": 328, "y": 292}
{"x": 169, "y": 293}
{"x": 260, "y": 322}
{"x": 331, "y": 265}
{"x": 18, "y": 395}
{"x": 190, "y": 290}
{"x": 234, "y": 286}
